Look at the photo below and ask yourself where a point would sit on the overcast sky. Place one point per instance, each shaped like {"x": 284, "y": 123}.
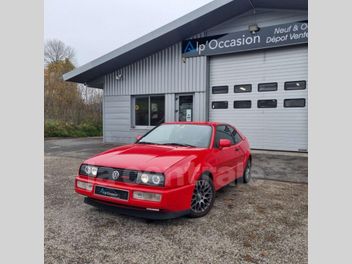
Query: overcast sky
{"x": 96, "y": 27}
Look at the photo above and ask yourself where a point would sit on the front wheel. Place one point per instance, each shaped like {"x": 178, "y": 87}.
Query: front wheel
{"x": 203, "y": 197}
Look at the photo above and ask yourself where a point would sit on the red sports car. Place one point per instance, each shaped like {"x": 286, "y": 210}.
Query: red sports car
{"x": 173, "y": 170}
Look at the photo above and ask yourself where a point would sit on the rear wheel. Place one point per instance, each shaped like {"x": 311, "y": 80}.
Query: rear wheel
{"x": 203, "y": 197}
{"x": 247, "y": 172}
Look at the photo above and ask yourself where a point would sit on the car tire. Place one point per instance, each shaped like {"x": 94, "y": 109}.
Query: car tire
{"x": 203, "y": 197}
{"x": 247, "y": 172}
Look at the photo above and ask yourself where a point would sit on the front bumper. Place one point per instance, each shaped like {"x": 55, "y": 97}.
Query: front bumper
{"x": 135, "y": 211}
{"x": 174, "y": 202}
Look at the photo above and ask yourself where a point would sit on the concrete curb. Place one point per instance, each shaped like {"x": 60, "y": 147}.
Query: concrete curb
{"x": 279, "y": 153}
{"x": 58, "y": 138}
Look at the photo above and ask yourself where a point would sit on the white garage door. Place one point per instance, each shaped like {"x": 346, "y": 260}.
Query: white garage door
{"x": 265, "y": 95}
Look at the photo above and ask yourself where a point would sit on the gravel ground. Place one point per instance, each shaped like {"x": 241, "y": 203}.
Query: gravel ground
{"x": 262, "y": 222}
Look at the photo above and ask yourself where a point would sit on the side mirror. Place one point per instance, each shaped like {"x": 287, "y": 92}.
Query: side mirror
{"x": 224, "y": 143}
{"x": 138, "y": 137}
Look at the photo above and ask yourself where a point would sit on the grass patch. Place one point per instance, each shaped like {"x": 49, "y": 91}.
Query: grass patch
{"x": 56, "y": 128}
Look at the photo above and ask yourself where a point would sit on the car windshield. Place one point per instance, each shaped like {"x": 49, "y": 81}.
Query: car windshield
{"x": 179, "y": 135}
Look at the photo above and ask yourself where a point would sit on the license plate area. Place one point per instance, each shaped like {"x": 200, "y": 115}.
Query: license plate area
{"x": 111, "y": 192}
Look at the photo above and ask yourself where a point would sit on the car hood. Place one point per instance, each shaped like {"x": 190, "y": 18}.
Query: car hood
{"x": 155, "y": 158}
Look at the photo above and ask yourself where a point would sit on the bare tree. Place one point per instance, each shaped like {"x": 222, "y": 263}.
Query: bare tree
{"x": 90, "y": 95}
{"x": 55, "y": 50}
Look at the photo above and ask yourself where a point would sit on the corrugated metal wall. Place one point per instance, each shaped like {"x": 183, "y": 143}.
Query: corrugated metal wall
{"x": 166, "y": 73}
{"x": 162, "y": 73}
{"x": 117, "y": 119}
{"x": 170, "y": 107}
{"x": 200, "y": 106}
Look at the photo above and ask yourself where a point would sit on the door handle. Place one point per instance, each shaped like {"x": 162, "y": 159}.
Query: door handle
{"x": 237, "y": 149}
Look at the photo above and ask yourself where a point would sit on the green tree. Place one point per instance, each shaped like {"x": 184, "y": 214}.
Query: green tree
{"x": 63, "y": 100}
{"x": 69, "y": 109}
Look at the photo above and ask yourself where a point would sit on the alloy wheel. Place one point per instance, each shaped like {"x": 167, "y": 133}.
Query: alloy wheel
{"x": 202, "y": 196}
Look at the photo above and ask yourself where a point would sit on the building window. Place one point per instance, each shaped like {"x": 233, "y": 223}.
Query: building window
{"x": 242, "y": 104}
{"x": 295, "y": 102}
{"x": 142, "y": 111}
{"x": 220, "y": 89}
{"x": 297, "y": 85}
{"x": 267, "y": 87}
{"x": 272, "y": 103}
{"x": 219, "y": 105}
{"x": 243, "y": 88}
{"x": 157, "y": 110}
{"x": 149, "y": 110}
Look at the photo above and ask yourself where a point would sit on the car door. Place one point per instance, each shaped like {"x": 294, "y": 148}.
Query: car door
{"x": 239, "y": 155}
{"x": 225, "y": 157}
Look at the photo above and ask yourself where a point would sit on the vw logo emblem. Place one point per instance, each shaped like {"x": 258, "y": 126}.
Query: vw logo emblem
{"x": 115, "y": 175}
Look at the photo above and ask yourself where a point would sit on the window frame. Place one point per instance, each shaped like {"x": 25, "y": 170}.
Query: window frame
{"x": 266, "y": 100}
{"x": 190, "y": 124}
{"x": 219, "y": 86}
{"x": 133, "y": 110}
{"x": 250, "y": 107}
{"x": 239, "y": 85}
{"x": 277, "y": 87}
{"x": 291, "y": 99}
{"x": 305, "y": 85}
{"x": 227, "y": 106}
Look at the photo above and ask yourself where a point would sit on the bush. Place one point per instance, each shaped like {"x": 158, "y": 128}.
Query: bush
{"x": 56, "y": 128}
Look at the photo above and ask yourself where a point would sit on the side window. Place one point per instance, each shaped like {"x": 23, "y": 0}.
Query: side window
{"x": 236, "y": 137}
{"x": 223, "y": 132}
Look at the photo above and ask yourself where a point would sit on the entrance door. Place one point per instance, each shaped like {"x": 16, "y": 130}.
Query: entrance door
{"x": 184, "y": 107}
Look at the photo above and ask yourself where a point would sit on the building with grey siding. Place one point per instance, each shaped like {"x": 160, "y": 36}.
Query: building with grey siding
{"x": 244, "y": 62}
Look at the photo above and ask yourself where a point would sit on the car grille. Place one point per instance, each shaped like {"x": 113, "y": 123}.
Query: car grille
{"x": 124, "y": 175}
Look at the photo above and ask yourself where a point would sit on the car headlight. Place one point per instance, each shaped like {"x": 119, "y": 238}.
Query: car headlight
{"x": 150, "y": 178}
{"x": 88, "y": 170}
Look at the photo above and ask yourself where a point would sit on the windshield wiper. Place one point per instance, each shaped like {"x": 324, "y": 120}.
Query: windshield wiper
{"x": 147, "y": 143}
{"x": 179, "y": 144}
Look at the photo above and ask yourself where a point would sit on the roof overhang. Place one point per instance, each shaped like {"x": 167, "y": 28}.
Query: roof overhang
{"x": 200, "y": 20}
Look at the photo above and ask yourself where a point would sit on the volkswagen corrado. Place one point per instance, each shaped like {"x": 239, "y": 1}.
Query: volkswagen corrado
{"x": 173, "y": 170}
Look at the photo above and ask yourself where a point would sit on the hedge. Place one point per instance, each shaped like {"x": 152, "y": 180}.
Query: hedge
{"x": 56, "y": 128}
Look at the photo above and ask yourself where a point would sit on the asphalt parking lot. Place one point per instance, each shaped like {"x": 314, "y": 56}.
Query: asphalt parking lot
{"x": 262, "y": 222}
